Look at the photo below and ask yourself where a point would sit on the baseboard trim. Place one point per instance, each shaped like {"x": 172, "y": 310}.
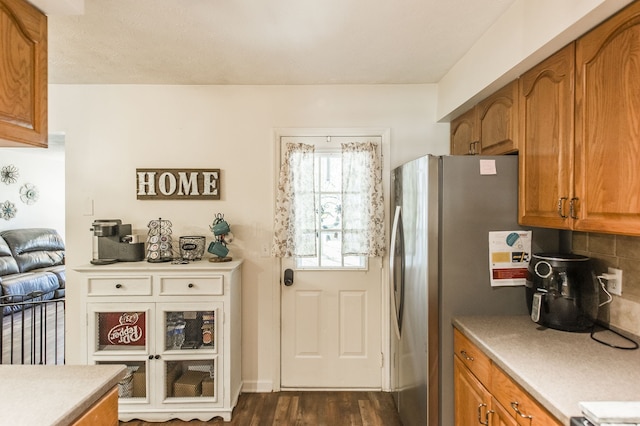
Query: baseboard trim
{"x": 257, "y": 386}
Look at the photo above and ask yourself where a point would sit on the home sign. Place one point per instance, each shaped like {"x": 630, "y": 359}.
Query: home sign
{"x": 178, "y": 184}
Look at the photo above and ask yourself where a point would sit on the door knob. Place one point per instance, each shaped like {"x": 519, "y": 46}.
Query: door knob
{"x": 288, "y": 277}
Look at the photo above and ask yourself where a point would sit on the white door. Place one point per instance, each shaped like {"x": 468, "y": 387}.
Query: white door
{"x": 331, "y": 319}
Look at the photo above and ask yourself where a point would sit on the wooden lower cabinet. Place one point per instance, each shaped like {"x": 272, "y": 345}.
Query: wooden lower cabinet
{"x": 495, "y": 400}
{"x": 103, "y": 413}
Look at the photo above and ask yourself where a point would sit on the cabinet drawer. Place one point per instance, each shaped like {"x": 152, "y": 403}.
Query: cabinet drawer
{"x": 517, "y": 401}
{"x": 471, "y": 356}
{"x": 126, "y": 286}
{"x": 188, "y": 286}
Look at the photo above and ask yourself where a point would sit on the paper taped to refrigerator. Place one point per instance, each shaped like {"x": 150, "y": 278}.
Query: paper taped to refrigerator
{"x": 509, "y": 254}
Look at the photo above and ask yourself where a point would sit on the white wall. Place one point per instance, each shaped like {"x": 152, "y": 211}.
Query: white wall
{"x": 43, "y": 168}
{"x": 112, "y": 130}
{"x": 528, "y": 32}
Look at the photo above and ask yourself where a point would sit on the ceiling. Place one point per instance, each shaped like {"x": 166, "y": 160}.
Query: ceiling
{"x": 265, "y": 41}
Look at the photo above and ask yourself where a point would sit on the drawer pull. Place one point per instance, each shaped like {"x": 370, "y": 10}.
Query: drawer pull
{"x": 118, "y": 285}
{"x": 465, "y": 355}
{"x": 191, "y": 285}
{"x": 514, "y": 405}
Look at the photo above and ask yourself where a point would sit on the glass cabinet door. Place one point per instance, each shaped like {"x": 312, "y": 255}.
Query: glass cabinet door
{"x": 133, "y": 388}
{"x": 189, "y": 327}
{"x": 120, "y": 328}
{"x": 192, "y": 378}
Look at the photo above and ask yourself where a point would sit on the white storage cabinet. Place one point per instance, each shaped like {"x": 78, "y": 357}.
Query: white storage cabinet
{"x": 177, "y": 328}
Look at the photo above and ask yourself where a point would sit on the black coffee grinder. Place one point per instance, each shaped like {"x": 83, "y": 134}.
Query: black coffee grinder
{"x": 113, "y": 242}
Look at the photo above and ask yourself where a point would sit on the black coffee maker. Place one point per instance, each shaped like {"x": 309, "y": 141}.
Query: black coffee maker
{"x": 112, "y": 242}
{"x": 562, "y": 291}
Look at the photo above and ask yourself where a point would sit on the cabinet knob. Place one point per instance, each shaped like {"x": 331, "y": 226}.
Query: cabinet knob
{"x": 118, "y": 285}
{"x": 150, "y": 356}
{"x": 157, "y": 357}
{"x": 466, "y": 356}
{"x": 191, "y": 285}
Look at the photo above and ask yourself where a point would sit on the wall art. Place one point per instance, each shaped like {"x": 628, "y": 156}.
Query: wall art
{"x": 8, "y": 210}
{"x": 29, "y": 193}
{"x": 9, "y": 174}
{"x": 178, "y": 184}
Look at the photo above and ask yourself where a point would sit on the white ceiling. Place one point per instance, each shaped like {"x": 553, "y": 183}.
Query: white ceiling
{"x": 265, "y": 41}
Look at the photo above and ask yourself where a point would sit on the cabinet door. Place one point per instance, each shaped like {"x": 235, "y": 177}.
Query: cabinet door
{"x": 498, "y": 118}
{"x": 23, "y": 79}
{"x": 464, "y": 134}
{"x": 546, "y": 135}
{"x": 471, "y": 401}
{"x": 607, "y": 176}
{"x": 519, "y": 403}
{"x": 500, "y": 416}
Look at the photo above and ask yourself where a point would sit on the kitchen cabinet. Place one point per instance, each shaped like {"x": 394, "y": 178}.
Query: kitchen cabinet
{"x": 103, "y": 412}
{"x": 579, "y": 150}
{"x": 546, "y": 149}
{"x": 498, "y": 118}
{"x": 490, "y": 128}
{"x": 465, "y": 139}
{"x": 486, "y": 395}
{"x": 607, "y": 137}
{"x": 177, "y": 328}
{"x": 23, "y": 75}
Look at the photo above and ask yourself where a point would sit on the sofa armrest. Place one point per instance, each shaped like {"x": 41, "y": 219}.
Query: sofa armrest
{"x": 8, "y": 264}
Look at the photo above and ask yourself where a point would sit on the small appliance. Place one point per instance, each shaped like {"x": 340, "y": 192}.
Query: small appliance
{"x": 113, "y": 242}
{"x": 562, "y": 291}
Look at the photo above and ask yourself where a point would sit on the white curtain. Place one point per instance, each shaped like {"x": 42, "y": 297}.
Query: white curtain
{"x": 362, "y": 201}
{"x": 295, "y": 219}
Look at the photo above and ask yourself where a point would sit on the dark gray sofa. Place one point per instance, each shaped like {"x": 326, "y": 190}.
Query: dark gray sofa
{"x": 31, "y": 265}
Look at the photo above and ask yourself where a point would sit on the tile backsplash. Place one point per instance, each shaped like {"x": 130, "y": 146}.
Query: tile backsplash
{"x": 620, "y": 252}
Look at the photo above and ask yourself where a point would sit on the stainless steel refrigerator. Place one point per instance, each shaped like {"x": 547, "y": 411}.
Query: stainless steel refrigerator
{"x": 443, "y": 211}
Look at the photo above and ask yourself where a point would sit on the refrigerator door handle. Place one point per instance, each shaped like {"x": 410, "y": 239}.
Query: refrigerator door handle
{"x": 396, "y": 231}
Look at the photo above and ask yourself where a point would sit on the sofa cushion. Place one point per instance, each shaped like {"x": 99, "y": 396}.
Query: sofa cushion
{"x": 15, "y": 287}
{"x": 8, "y": 264}
{"x": 58, "y": 271}
{"x": 35, "y": 247}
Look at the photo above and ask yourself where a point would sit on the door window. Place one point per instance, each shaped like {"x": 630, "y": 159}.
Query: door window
{"x": 329, "y": 209}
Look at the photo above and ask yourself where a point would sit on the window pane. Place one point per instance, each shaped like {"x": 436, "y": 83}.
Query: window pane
{"x": 354, "y": 262}
{"x": 307, "y": 262}
{"x": 330, "y": 211}
{"x": 331, "y": 173}
{"x": 331, "y": 249}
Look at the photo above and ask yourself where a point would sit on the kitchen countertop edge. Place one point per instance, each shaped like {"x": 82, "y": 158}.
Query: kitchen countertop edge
{"x": 557, "y": 368}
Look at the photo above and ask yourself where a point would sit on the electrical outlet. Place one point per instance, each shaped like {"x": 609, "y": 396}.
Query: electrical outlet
{"x": 614, "y": 284}
{"x": 264, "y": 249}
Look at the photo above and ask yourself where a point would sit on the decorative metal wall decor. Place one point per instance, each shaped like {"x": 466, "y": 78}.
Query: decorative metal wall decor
{"x": 178, "y": 184}
{"x": 9, "y": 174}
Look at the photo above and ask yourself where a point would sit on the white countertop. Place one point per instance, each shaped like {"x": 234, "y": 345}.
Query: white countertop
{"x": 558, "y": 368}
{"x": 52, "y": 394}
{"x": 143, "y": 265}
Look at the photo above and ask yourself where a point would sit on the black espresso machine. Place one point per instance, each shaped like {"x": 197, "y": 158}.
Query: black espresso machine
{"x": 562, "y": 291}
{"x": 114, "y": 242}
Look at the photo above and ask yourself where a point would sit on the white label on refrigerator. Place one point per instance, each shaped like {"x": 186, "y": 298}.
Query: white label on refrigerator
{"x": 488, "y": 167}
{"x": 509, "y": 254}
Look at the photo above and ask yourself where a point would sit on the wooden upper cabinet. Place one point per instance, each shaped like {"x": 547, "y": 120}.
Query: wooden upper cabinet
{"x": 607, "y": 120}
{"x": 23, "y": 74}
{"x": 546, "y": 142}
{"x": 490, "y": 128}
{"x": 498, "y": 121}
{"x": 465, "y": 132}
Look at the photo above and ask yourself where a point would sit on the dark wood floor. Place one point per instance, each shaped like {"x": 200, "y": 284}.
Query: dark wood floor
{"x": 313, "y": 408}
